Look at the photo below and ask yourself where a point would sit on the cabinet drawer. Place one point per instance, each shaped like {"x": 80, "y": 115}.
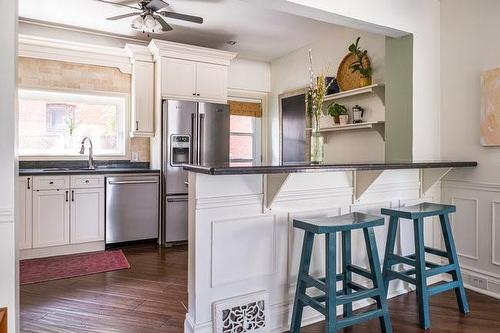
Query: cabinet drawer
{"x": 50, "y": 182}
{"x": 87, "y": 181}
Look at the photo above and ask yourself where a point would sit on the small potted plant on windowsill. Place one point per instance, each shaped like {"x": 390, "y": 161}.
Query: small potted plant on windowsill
{"x": 339, "y": 113}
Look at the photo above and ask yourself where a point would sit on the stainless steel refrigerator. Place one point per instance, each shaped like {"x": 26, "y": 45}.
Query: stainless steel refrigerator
{"x": 195, "y": 133}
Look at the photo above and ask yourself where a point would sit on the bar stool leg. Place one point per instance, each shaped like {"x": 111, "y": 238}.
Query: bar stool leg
{"x": 389, "y": 250}
{"x": 378, "y": 282}
{"x": 346, "y": 274}
{"x": 305, "y": 262}
{"x": 331, "y": 282}
{"x": 463, "y": 305}
{"x": 422, "y": 295}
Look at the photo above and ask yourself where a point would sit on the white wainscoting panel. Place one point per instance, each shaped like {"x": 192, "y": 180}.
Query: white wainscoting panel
{"x": 465, "y": 227}
{"x": 495, "y": 231}
{"x": 232, "y": 239}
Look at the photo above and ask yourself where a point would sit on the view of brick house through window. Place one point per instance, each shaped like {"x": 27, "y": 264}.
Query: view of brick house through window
{"x": 245, "y": 125}
{"x": 54, "y": 123}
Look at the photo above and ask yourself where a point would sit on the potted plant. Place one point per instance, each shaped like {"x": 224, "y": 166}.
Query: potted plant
{"x": 338, "y": 111}
{"x": 362, "y": 63}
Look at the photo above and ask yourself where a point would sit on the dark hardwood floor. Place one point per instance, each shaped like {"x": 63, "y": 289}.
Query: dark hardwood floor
{"x": 151, "y": 297}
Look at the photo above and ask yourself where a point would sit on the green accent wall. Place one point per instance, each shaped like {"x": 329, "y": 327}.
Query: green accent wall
{"x": 399, "y": 98}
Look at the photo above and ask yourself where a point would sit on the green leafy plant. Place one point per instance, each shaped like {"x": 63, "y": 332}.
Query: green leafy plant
{"x": 70, "y": 124}
{"x": 335, "y": 110}
{"x": 360, "y": 65}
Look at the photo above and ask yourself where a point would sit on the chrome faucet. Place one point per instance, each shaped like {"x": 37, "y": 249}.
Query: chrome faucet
{"x": 91, "y": 152}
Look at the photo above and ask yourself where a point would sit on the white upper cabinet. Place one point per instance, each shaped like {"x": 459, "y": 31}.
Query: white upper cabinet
{"x": 178, "y": 78}
{"x": 211, "y": 82}
{"x": 24, "y": 195}
{"x": 142, "y": 99}
{"x": 191, "y": 72}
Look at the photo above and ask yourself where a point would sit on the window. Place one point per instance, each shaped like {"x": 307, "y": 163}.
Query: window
{"x": 243, "y": 145}
{"x": 54, "y": 123}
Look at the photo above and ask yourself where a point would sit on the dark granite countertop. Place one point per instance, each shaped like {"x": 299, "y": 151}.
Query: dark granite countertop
{"x": 242, "y": 169}
{"x": 41, "y": 168}
{"x": 97, "y": 171}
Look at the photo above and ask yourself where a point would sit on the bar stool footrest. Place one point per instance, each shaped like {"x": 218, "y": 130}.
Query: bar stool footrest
{"x": 359, "y": 271}
{"x": 443, "y": 287}
{"x": 359, "y": 318}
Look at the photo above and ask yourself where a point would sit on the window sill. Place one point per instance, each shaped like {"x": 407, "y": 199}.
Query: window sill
{"x": 73, "y": 158}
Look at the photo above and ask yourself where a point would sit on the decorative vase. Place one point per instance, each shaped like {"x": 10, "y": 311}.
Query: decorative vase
{"x": 336, "y": 120}
{"x": 365, "y": 81}
{"x": 317, "y": 143}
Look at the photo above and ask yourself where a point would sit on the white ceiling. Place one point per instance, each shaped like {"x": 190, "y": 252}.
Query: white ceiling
{"x": 261, "y": 34}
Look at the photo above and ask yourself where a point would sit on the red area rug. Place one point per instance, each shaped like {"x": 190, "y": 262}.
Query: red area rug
{"x": 62, "y": 267}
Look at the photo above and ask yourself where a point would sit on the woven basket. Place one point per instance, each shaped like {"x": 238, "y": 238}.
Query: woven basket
{"x": 345, "y": 78}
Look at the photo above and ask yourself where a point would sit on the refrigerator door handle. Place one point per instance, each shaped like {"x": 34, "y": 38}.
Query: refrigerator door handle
{"x": 191, "y": 155}
{"x": 201, "y": 140}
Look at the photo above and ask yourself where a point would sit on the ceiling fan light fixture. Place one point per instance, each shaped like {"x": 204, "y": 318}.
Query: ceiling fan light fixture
{"x": 149, "y": 22}
{"x": 138, "y": 23}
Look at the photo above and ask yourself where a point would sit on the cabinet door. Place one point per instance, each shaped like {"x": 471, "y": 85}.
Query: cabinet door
{"x": 24, "y": 195}
{"x": 142, "y": 99}
{"x": 211, "y": 82}
{"x": 50, "y": 218}
{"x": 178, "y": 78}
{"x": 87, "y": 215}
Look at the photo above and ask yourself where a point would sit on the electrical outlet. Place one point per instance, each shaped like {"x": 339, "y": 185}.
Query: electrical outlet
{"x": 478, "y": 282}
{"x": 135, "y": 156}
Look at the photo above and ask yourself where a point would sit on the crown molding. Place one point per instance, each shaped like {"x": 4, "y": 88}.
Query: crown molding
{"x": 59, "y": 50}
{"x": 138, "y": 52}
{"x": 160, "y": 48}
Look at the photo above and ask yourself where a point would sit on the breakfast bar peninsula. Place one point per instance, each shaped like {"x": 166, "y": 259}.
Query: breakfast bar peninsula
{"x": 244, "y": 252}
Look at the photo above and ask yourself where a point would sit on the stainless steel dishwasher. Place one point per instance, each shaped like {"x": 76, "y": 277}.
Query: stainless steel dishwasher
{"x": 132, "y": 208}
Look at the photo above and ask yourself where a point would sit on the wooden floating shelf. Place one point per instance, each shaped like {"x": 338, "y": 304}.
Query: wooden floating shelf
{"x": 379, "y": 126}
{"x": 377, "y": 89}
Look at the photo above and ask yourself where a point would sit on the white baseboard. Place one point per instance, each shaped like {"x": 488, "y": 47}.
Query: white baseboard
{"x": 61, "y": 250}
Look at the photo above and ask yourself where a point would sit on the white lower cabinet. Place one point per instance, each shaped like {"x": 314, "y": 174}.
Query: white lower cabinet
{"x": 50, "y": 218}
{"x": 24, "y": 201}
{"x": 60, "y": 211}
{"x": 87, "y": 215}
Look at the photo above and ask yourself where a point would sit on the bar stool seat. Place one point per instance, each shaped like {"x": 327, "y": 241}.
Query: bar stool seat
{"x": 327, "y": 302}
{"x": 422, "y": 210}
{"x": 421, "y": 269}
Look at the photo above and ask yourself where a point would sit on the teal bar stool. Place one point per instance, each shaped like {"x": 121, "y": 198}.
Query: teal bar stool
{"x": 417, "y": 261}
{"x": 330, "y": 298}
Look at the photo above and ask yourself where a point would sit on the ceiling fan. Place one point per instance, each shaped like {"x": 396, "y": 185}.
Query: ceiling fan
{"x": 150, "y": 15}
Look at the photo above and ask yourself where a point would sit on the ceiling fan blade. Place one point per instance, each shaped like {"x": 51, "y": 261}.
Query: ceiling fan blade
{"x": 119, "y": 4}
{"x": 156, "y": 5}
{"x": 119, "y": 17}
{"x": 164, "y": 25}
{"x": 184, "y": 17}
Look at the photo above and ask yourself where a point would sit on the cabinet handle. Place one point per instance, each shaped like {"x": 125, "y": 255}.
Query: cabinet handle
{"x": 197, "y": 94}
{"x": 67, "y": 196}
{"x": 72, "y": 195}
{"x": 87, "y": 181}
{"x": 29, "y": 186}
{"x": 137, "y": 125}
{"x": 194, "y": 94}
{"x": 51, "y": 183}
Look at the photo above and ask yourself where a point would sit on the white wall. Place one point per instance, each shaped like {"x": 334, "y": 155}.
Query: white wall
{"x": 469, "y": 45}
{"x": 8, "y": 69}
{"x": 249, "y": 75}
{"x": 291, "y": 72}
{"x": 420, "y": 17}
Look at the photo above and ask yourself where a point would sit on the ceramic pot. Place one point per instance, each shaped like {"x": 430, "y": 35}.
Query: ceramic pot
{"x": 336, "y": 120}
{"x": 344, "y": 119}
